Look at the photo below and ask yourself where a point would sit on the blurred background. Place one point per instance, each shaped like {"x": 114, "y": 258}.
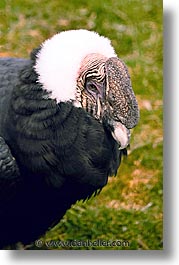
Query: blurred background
{"x": 130, "y": 207}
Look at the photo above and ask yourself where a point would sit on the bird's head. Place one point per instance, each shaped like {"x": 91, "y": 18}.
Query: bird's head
{"x": 104, "y": 90}
{"x": 82, "y": 67}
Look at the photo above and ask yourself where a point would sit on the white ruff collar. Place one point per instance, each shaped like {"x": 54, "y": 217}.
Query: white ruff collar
{"x": 60, "y": 57}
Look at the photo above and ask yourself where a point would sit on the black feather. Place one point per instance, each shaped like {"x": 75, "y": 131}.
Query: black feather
{"x": 63, "y": 154}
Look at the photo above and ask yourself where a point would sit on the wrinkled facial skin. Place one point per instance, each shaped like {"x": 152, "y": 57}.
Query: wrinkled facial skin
{"x": 91, "y": 84}
{"x": 105, "y": 91}
{"x": 119, "y": 94}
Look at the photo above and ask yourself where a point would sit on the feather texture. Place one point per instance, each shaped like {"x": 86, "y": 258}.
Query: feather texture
{"x": 63, "y": 154}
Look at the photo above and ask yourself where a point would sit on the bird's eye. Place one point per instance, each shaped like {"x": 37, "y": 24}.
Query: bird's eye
{"x": 91, "y": 87}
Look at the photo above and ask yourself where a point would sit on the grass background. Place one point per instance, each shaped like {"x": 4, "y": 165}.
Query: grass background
{"x": 130, "y": 207}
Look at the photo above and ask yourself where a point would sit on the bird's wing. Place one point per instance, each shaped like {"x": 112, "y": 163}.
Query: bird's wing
{"x": 9, "y": 77}
{"x": 9, "y": 172}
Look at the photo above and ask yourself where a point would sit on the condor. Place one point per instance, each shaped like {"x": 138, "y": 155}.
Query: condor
{"x": 65, "y": 120}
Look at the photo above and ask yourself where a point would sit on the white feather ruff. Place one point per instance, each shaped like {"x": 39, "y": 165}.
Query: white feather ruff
{"x": 59, "y": 60}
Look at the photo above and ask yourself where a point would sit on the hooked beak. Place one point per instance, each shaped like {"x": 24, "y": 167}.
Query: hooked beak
{"x": 121, "y": 134}
{"x": 121, "y": 108}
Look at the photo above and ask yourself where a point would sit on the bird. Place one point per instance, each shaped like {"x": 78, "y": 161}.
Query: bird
{"x": 65, "y": 120}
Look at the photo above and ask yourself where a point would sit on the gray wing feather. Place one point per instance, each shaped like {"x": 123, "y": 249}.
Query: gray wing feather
{"x": 9, "y": 172}
{"x": 9, "y": 76}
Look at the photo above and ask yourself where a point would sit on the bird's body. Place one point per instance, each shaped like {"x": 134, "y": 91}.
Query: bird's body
{"x": 52, "y": 153}
{"x": 82, "y": 151}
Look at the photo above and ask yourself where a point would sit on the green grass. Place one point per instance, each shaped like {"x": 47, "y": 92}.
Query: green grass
{"x": 130, "y": 207}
